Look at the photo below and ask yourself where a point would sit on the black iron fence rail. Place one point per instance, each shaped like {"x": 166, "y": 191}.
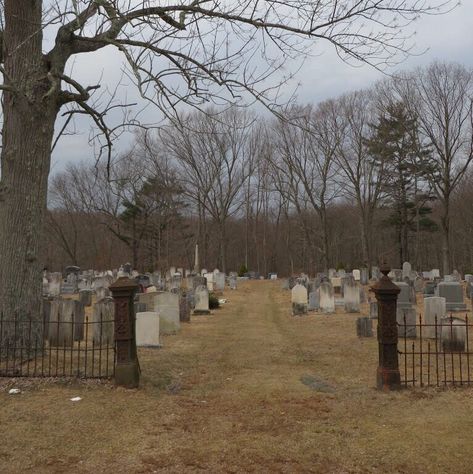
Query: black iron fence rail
{"x": 63, "y": 348}
{"x": 442, "y": 359}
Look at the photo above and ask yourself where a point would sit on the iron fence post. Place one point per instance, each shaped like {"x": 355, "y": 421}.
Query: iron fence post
{"x": 127, "y": 373}
{"x": 387, "y": 375}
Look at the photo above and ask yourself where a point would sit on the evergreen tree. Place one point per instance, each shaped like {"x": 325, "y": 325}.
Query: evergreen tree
{"x": 394, "y": 145}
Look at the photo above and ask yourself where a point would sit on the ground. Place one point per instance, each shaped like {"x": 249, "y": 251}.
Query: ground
{"x": 246, "y": 389}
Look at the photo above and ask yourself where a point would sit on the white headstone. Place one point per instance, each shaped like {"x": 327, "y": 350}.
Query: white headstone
{"x": 434, "y": 306}
{"x": 326, "y": 298}
{"x": 147, "y": 329}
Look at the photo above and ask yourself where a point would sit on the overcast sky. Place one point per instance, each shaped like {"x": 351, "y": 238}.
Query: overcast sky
{"x": 447, "y": 38}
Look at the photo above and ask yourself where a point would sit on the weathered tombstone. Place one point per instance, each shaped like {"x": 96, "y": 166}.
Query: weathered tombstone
{"x": 285, "y": 284}
{"x": 356, "y": 274}
{"x": 456, "y": 275}
{"x": 469, "y": 278}
{"x": 210, "y": 281}
{"x": 66, "y": 322}
{"x": 101, "y": 293}
{"x": 406, "y": 318}
{"x": 364, "y": 327}
{"x": 404, "y": 299}
{"x": 201, "y": 298}
{"x": 167, "y": 306}
{"x": 435, "y": 273}
{"x": 336, "y": 285}
{"x": 184, "y": 308}
{"x": 299, "y": 300}
{"x": 429, "y": 288}
{"x": 103, "y": 326}
{"x": 375, "y": 273}
{"x": 55, "y": 281}
{"x": 232, "y": 281}
{"x": 313, "y": 301}
{"x": 219, "y": 281}
{"x": 85, "y": 297}
{"x": 326, "y": 298}
{"x": 435, "y": 309}
{"x": 147, "y": 329}
{"x": 406, "y": 270}
{"x": 363, "y": 297}
{"x": 453, "y": 334}
{"x": 351, "y": 296}
{"x": 332, "y": 272}
{"x": 453, "y": 294}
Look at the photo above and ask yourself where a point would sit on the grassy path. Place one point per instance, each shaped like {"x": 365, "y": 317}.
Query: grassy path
{"x": 247, "y": 389}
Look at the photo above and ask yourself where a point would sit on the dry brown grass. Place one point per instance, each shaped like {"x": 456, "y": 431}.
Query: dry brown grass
{"x": 227, "y": 395}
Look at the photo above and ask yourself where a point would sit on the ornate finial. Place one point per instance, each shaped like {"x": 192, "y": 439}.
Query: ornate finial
{"x": 385, "y": 268}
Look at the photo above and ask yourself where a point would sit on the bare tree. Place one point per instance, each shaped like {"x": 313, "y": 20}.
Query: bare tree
{"x": 441, "y": 96}
{"x": 177, "y": 53}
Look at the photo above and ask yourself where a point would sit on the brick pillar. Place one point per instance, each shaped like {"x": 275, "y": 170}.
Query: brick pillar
{"x": 127, "y": 372}
{"x": 387, "y": 376}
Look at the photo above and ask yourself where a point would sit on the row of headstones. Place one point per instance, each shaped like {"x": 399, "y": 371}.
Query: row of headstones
{"x": 320, "y": 296}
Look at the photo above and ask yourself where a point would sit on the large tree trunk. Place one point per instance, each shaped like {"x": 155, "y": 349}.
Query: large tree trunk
{"x": 28, "y": 128}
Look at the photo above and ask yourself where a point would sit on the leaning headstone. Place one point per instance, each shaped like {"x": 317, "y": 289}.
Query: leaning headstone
{"x": 167, "y": 306}
{"x": 201, "y": 298}
{"x": 326, "y": 298}
{"x": 299, "y": 300}
{"x": 435, "y": 309}
{"x": 453, "y": 294}
{"x": 351, "y": 296}
{"x": 406, "y": 320}
{"x": 364, "y": 327}
{"x": 147, "y": 329}
{"x": 453, "y": 334}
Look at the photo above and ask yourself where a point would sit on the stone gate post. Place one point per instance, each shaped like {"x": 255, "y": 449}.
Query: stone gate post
{"x": 127, "y": 372}
{"x": 387, "y": 376}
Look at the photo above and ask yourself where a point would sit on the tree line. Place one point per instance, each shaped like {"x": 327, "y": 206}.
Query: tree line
{"x": 381, "y": 173}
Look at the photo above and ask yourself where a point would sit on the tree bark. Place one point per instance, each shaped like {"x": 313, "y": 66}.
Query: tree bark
{"x": 28, "y": 128}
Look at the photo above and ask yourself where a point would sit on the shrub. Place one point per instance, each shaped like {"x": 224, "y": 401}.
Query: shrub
{"x": 213, "y": 301}
{"x": 242, "y": 270}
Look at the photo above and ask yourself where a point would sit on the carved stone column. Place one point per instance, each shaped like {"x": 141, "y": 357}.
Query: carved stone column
{"x": 127, "y": 371}
{"x": 387, "y": 376}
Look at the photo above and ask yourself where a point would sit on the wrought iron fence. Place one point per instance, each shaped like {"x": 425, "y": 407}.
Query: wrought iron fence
{"x": 77, "y": 347}
{"x": 435, "y": 354}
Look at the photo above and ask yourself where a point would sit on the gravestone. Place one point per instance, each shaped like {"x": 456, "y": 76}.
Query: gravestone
{"x": 184, "y": 308}
{"x": 232, "y": 281}
{"x": 356, "y": 275}
{"x": 435, "y": 273}
{"x": 299, "y": 300}
{"x": 429, "y": 288}
{"x": 101, "y": 293}
{"x": 418, "y": 285}
{"x": 219, "y": 281}
{"x": 364, "y": 327}
{"x": 434, "y": 307}
{"x": 326, "y": 298}
{"x": 351, "y": 296}
{"x": 103, "y": 322}
{"x": 210, "y": 281}
{"x": 85, "y": 297}
{"x": 375, "y": 273}
{"x": 453, "y": 294}
{"x": 167, "y": 306}
{"x": 404, "y": 299}
{"x": 406, "y": 319}
{"x": 313, "y": 301}
{"x": 456, "y": 275}
{"x": 147, "y": 329}
{"x": 453, "y": 334}
{"x": 201, "y": 298}
{"x": 406, "y": 270}
{"x": 55, "y": 281}
{"x": 66, "y": 322}
{"x": 332, "y": 272}
{"x": 336, "y": 285}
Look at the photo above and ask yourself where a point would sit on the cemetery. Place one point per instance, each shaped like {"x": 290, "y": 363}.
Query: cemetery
{"x": 236, "y": 237}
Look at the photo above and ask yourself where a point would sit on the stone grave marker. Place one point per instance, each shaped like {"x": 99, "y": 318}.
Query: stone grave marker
{"x": 434, "y": 307}
{"x": 351, "y": 296}
{"x": 299, "y": 299}
{"x": 201, "y": 298}
{"x": 167, "y": 306}
{"x": 326, "y": 298}
{"x": 364, "y": 327}
{"x": 147, "y": 329}
{"x": 453, "y": 294}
